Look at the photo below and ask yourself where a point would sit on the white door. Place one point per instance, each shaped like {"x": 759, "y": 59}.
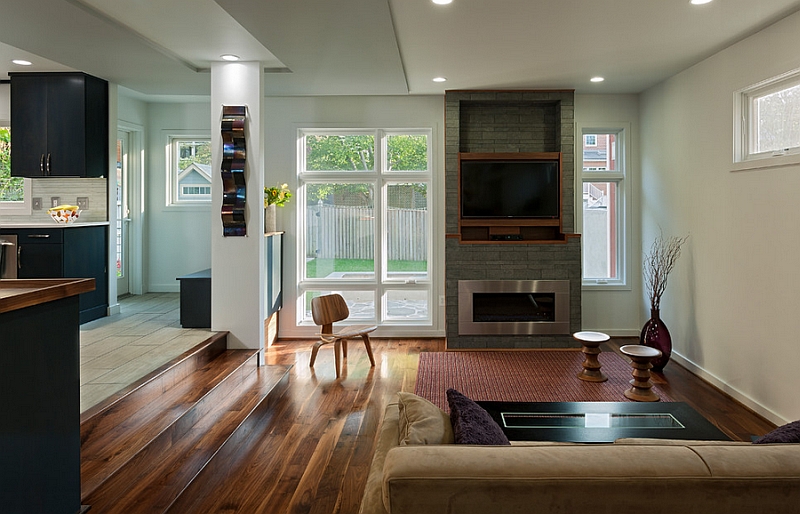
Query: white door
{"x": 123, "y": 214}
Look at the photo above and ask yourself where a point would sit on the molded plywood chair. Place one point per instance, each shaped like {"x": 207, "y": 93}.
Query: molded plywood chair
{"x": 327, "y": 310}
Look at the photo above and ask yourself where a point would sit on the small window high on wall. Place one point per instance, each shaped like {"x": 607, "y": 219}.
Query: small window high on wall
{"x": 768, "y": 120}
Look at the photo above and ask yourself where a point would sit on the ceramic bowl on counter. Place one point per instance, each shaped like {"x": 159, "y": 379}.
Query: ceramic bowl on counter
{"x": 64, "y": 213}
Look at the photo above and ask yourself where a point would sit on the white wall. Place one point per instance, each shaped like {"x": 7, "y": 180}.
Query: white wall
{"x": 5, "y": 102}
{"x": 177, "y": 240}
{"x": 285, "y": 115}
{"x": 614, "y": 311}
{"x": 732, "y": 301}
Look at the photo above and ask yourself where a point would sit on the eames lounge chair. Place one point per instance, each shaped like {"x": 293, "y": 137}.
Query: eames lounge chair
{"x": 327, "y": 310}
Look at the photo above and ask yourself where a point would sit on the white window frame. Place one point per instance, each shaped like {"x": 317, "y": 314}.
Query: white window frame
{"x": 586, "y": 143}
{"x": 744, "y": 123}
{"x": 621, "y": 177}
{"x": 381, "y": 178}
{"x": 22, "y": 208}
{"x": 173, "y": 197}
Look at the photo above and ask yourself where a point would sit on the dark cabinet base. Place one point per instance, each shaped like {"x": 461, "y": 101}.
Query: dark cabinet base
{"x": 40, "y": 394}
{"x": 75, "y": 252}
{"x": 196, "y": 299}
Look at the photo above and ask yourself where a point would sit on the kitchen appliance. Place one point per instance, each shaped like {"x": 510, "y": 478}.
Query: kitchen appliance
{"x": 8, "y": 256}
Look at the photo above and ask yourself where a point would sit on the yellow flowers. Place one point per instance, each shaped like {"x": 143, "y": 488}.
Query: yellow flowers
{"x": 277, "y": 195}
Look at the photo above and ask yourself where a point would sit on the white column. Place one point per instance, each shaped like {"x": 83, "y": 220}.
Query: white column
{"x": 237, "y": 263}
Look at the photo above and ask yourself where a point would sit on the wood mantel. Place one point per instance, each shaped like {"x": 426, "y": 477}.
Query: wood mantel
{"x": 17, "y": 294}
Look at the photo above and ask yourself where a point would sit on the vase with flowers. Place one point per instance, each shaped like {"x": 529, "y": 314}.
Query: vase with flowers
{"x": 658, "y": 263}
{"x": 274, "y": 196}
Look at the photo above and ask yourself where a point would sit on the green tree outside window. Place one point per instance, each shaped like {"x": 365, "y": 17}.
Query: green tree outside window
{"x": 10, "y": 188}
{"x": 404, "y": 152}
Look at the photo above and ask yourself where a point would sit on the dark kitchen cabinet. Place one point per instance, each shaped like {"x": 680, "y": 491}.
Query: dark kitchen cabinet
{"x": 75, "y": 252}
{"x": 59, "y": 125}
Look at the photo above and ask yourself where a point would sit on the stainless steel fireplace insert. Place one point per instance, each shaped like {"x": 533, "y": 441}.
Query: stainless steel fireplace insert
{"x": 513, "y": 307}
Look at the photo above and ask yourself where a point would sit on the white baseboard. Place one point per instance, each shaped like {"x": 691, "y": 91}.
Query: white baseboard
{"x": 113, "y": 309}
{"x": 164, "y": 288}
{"x": 617, "y": 332}
{"x": 733, "y": 392}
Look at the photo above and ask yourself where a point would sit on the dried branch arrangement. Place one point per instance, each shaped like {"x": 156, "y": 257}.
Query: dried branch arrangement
{"x": 658, "y": 263}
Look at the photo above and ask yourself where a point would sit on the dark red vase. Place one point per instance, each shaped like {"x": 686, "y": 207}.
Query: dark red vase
{"x": 655, "y": 335}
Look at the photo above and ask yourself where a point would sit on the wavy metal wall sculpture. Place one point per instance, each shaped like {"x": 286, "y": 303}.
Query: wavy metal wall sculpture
{"x": 234, "y": 153}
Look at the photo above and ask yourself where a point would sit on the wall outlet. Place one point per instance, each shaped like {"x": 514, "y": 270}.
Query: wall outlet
{"x": 441, "y": 301}
{"x": 36, "y": 203}
{"x": 55, "y": 200}
{"x": 83, "y": 202}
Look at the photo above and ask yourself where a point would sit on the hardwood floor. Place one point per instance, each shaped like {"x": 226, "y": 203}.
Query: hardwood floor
{"x": 311, "y": 452}
{"x": 308, "y": 449}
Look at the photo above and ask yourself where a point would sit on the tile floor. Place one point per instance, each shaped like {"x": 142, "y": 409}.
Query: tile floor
{"x": 120, "y": 349}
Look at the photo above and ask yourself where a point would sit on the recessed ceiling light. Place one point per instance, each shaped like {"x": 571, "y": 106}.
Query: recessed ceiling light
{"x": 699, "y": 2}
{"x": 597, "y": 79}
{"x": 442, "y": 2}
{"x": 22, "y": 62}
{"x": 440, "y": 79}
{"x": 229, "y": 57}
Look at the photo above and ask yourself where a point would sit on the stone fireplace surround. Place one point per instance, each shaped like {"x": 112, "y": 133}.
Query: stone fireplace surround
{"x": 510, "y": 121}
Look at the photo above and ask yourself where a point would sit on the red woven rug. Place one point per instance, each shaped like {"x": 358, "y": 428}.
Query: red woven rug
{"x": 521, "y": 376}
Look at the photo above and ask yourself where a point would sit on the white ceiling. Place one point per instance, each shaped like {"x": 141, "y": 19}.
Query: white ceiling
{"x": 323, "y": 47}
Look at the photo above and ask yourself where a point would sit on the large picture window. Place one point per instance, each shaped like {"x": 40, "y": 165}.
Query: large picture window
{"x": 189, "y": 169}
{"x": 365, "y": 215}
{"x": 768, "y": 119}
{"x": 604, "y": 221}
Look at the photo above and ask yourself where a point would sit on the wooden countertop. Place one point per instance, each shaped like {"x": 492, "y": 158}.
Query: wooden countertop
{"x": 20, "y": 293}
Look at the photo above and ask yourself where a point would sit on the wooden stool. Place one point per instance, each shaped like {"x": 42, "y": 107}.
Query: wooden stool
{"x": 591, "y": 366}
{"x": 641, "y": 357}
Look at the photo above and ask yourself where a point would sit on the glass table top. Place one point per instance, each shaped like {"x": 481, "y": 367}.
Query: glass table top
{"x": 557, "y": 420}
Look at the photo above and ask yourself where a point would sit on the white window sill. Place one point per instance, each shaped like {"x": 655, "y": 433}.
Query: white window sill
{"x": 594, "y": 285}
{"x": 766, "y": 163}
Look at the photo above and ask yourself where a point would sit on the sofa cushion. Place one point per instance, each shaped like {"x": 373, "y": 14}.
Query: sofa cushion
{"x": 471, "y": 423}
{"x": 788, "y": 433}
{"x": 422, "y": 422}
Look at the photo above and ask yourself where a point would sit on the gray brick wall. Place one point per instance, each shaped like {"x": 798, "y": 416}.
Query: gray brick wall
{"x": 534, "y": 121}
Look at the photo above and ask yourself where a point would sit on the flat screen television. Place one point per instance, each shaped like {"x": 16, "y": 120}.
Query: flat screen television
{"x": 510, "y": 189}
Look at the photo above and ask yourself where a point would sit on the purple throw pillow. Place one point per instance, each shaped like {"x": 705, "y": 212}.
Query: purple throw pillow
{"x": 471, "y": 423}
{"x": 788, "y": 433}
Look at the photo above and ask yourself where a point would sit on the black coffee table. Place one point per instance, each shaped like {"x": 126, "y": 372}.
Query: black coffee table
{"x": 600, "y": 422}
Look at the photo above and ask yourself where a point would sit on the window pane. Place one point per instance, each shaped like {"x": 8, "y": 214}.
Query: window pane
{"x": 600, "y": 230}
{"x": 407, "y": 232}
{"x": 340, "y": 152}
{"x": 192, "y": 170}
{"x": 600, "y": 152}
{"x": 778, "y": 119}
{"x": 340, "y": 231}
{"x": 11, "y": 189}
{"x": 193, "y": 152}
{"x": 361, "y": 304}
{"x": 407, "y": 305}
{"x": 407, "y": 152}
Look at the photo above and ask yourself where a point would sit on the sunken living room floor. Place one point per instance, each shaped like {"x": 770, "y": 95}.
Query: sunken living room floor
{"x": 313, "y": 452}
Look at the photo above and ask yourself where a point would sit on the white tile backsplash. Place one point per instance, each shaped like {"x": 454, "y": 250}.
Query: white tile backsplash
{"x": 68, "y": 190}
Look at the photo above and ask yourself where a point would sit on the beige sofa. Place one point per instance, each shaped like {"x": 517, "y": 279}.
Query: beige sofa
{"x": 631, "y": 475}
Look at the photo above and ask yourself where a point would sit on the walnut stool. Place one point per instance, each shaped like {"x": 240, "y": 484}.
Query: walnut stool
{"x": 641, "y": 357}
{"x": 591, "y": 366}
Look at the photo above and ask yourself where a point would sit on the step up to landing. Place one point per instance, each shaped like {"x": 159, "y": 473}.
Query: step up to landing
{"x": 141, "y": 448}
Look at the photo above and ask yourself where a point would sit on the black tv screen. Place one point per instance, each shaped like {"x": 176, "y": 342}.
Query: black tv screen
{"x": 509, "y": 189}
